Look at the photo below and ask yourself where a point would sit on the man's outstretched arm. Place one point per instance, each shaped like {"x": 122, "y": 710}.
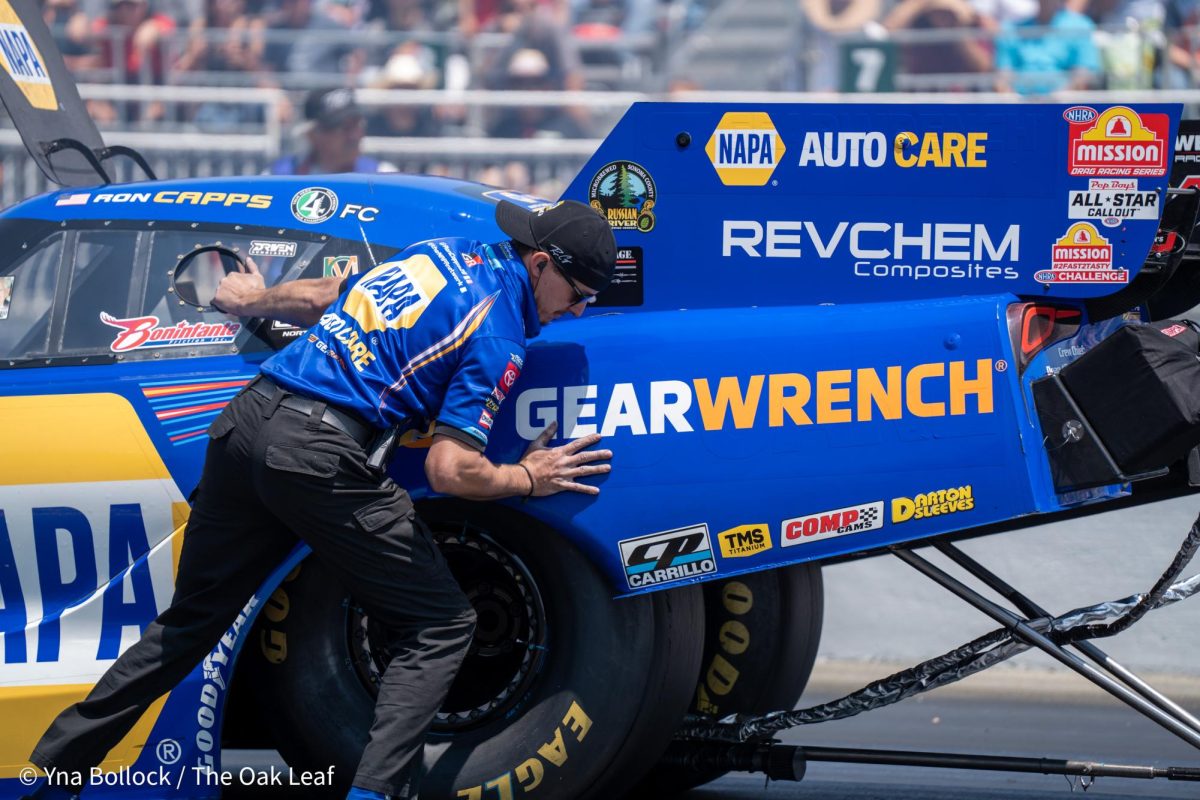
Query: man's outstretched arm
{"x": 301, "y": 302}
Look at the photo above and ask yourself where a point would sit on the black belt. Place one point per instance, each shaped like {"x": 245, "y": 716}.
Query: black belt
{"x": 345, "y": 422}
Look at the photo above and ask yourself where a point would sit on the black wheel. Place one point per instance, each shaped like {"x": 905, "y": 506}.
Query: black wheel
{"x": 565, "y": 693}
{"x": 761, "y": 636}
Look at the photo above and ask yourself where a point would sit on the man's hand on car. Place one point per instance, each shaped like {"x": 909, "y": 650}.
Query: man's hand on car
{"x": 554, "y": 469}
{"x": 239, "y": 290}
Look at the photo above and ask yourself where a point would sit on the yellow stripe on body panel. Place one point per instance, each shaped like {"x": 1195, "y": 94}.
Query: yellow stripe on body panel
{"x": 72, "y": 438}
{"x": 37, "y": 706}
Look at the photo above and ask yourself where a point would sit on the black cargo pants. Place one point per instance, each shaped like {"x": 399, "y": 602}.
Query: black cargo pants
{"x": 272, "y": 473}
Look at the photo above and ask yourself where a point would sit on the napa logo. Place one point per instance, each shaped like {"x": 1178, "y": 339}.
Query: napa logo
{"x": 23, "y": 61}
{"x": 395, "y": 294}
{"x": 745, "y": 148}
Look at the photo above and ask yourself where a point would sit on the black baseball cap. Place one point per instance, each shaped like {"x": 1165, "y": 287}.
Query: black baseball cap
{"x": 573, "y": 233}
{"x": 329, "y": 108}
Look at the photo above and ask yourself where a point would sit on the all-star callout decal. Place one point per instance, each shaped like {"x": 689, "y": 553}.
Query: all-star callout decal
{"x": 22, "y": 60}
{"x": 1119, "y": 142}
{"x": 1082, "y": 255}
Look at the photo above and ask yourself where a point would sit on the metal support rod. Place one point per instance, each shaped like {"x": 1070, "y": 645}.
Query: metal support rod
{"x": 1026, "y": 633}
{"x": 1041, "y": 766}
{"x": 1031, "y": 609}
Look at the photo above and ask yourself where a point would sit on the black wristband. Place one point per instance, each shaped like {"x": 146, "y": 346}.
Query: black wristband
{"x": 530, "y": 474}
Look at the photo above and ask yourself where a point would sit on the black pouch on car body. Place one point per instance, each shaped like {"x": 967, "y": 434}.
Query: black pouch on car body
{"x": 1136, "y": 395}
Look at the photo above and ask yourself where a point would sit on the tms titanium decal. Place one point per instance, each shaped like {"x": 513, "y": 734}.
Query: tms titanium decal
{"x": 624, "y": 194}
{"x": 1111, "y": 200}
{"x": 1082, "y": 255}
{"x": 745, "y": 148}
{"x": 831, "y": 524}
{"x": 932, "y": 504}
{"x": 23, "y": 61}
{"x": 1120, "y": 143}
{"x": 839, "y": 396}
{"x": 667, "y": 557}
{"x": 929, "y": 250}
{"x": 745, "y": 540}
{"x": 143, "y": 332}
{"x": 907, "y": 149}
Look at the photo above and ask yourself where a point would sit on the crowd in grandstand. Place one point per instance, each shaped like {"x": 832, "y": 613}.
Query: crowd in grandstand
{"x": 1033, "y": 47}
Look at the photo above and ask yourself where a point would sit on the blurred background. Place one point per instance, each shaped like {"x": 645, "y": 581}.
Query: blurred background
{"x": 518, "y": 93}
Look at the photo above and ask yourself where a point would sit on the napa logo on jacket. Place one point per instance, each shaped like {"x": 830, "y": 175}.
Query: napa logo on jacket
{"x": 395, "y": 294}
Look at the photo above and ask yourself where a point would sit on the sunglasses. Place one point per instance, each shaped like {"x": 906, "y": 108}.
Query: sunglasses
{"x": 580, "y": 297}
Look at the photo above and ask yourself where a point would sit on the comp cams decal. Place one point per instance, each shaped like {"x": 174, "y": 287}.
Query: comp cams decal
{"x": 745, "y": 148}
{"x": 905, "y": 149}
{"x": 144, "y": 333}
{"x": 932, "y": 504}
{"x": 831, "y": 524}
{"x": 776, "y": 400}
{"x": 883, "y": 249}
{"x": 1119, "y": 142}
{"x": 23, "y": 62}
{"x": 667, "y": 557}
{"x": 1082, "y": 255}
{"x": 624, "y": 193}
{"x": 1112, "y": 200}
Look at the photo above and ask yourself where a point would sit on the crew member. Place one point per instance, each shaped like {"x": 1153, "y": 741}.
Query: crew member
{"x": 399, "y": 348}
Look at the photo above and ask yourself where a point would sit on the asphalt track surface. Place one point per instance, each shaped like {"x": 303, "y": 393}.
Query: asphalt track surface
{"x": 1083, "y": 726}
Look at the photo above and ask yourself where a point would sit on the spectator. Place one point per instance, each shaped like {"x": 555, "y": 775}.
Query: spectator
{"x": 410, "y": 67}
{"x": 129, "y": 36}
{"x": 993, "y": 15}
{"x": 224, "y": 39}
{"x": 312, "y": 43}
{"x": 529, "y": 69}
{"x": 334, "y": 130}
{"x": 1050, "y": 51}
{"x": 399, "y": 15}
{"x": 69, "y": 26}
{"x": 956, "y": 53}
{"x": 600, "y": 19}
{"x": 827, "y": 22}
{"x": 505, "y": 16}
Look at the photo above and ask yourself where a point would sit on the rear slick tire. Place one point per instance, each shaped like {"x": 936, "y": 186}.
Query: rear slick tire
{"x": 762, "y": 632}
{"x": 565, "y": 693}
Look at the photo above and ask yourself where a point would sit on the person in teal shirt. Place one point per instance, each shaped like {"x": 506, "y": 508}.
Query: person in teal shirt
{"x": 1050, "y": 51}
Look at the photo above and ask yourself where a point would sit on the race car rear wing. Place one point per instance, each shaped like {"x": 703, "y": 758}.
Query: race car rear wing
{"x": 720, "y": 205}
{"x": 41, "y": 97}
